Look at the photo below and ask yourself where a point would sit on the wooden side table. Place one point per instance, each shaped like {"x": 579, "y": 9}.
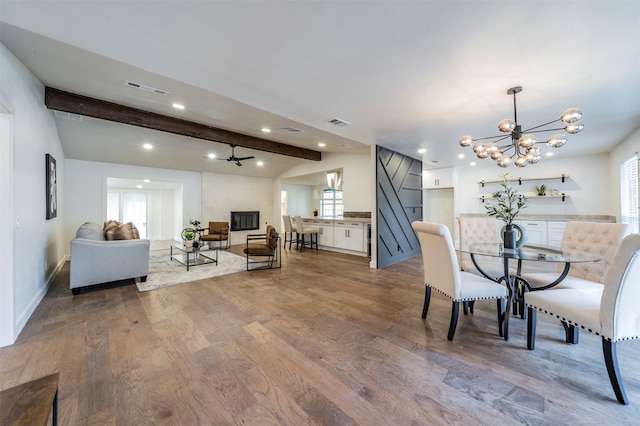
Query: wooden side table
{"x": 30, "y": 403}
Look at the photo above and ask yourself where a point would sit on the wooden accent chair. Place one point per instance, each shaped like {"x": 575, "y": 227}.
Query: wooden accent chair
{"x": 610, "y": 310}
{"x": 442, "y": 273}
{"x": 217, "y": 231}
{"x": 265, "y": 247}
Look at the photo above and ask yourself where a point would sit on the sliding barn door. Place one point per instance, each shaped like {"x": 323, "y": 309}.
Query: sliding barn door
{"x": 399, "y": 202}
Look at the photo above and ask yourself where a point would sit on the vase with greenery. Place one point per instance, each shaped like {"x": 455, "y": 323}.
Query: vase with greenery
{"x": 188, "y": 236}
{"x": 506, "y": 207}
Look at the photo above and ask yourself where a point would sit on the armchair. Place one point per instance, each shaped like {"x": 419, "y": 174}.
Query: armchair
{"x": 263, "y": 246}
{"x": 217, "y": 231}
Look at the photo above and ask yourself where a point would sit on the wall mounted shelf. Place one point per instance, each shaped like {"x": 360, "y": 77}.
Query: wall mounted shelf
{"x": 562, "y": 178}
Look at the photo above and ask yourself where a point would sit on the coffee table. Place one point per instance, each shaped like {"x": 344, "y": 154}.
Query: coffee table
{"x": 189, "y": 256}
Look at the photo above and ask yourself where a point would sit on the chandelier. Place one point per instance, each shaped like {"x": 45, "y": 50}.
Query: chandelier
{"x": 523, "y": 147}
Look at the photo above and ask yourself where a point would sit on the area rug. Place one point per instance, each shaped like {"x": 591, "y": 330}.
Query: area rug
{"x": 164, "y": 272}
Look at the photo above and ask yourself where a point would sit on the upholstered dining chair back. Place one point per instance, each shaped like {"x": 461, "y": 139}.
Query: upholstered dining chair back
{"x": 480, "y": 230}
{"x": 439, "y": 258}
{"x": 593, "y": 237}
{"x": 619, "y": 313}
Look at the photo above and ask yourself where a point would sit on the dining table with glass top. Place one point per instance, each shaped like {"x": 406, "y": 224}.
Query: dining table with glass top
{"x": 515, "y": 283}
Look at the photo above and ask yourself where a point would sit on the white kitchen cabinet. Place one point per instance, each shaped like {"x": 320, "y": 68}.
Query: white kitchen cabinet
{"x": 325, "y": 232}
{"x": 438, "y": 178}
{"x": 349, "y": 235}
{"x": 555, "y": 230}
{"x": 536, "y": 229}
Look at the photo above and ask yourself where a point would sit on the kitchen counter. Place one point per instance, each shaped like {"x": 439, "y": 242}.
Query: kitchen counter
{"x": 340, "y": 219}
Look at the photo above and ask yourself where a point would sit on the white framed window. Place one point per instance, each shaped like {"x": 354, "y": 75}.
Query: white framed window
{"x": 629, "y": 192}
{"x": 331, "y": 203}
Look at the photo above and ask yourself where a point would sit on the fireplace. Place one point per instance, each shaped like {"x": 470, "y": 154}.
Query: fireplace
{"x": 245, "y": 221}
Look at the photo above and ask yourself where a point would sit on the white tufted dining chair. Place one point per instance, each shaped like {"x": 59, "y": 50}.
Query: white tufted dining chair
{"x": 442, "y": 273}
{"x": 600, "y": 238}
{"x": 610, "y": 311}
{"x": 480, "y": 230}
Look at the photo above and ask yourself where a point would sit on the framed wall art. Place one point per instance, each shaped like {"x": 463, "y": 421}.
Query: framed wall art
{"x": 52, "y": 187}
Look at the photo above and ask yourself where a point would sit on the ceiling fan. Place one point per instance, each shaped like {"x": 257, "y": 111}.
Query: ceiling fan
{"x": 235, "y": 159}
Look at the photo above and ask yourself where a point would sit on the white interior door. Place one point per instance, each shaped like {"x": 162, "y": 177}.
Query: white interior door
{"x": 440, "y": 207}
{"x": 134, "y": 209}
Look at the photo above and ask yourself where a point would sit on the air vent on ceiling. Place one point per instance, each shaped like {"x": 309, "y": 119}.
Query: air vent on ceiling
{"x": 338, "y": 122}
{"x": 67, "y": 115}
{"x": 291, "y": 129}
{"x": 145, "y": 87}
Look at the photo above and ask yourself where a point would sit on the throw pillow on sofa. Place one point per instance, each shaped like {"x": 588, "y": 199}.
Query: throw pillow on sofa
{"x": 91, "y": 231}
{"x": 114, "y": 230}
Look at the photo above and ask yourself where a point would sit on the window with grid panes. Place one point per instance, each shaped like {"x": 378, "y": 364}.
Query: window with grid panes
{"x": 629, "y": 192}
{"x": 331, "y": 203}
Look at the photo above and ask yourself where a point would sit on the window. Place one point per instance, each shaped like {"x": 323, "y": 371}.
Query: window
{"x": 629, "y": 192}
{"x": 331, "y": 203}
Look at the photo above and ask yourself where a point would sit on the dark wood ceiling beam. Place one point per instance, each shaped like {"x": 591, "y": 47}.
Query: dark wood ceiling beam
{"x": 77, "y": 104}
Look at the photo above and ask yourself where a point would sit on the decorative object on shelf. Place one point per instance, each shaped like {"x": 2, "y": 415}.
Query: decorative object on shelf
{"x": 553, "y": 192}
{"x": 523, "y": 142}
{"x": 541, "y": 189}
{"x": 507, "y": 206}
{"x": 315, "y": 212}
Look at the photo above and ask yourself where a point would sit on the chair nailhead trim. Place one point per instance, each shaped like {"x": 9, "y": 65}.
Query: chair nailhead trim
{"x": 581, "y": 326}
{"x": 465, "y": 300}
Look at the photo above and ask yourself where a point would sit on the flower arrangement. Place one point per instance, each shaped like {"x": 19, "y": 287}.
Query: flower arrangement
{"x": 189, "y": 235}
{"x": 508, "y": 202}
{"x": 195, "y": 222}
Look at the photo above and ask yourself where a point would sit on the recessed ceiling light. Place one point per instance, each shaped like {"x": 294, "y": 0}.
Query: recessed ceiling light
{"x": 473, "y": 163}
{"x": 422, "y": 150}
{"x": 139, "y": 186}
{"x": 178, "y": 106}
{"x": 549, "y": 154}
{"x": 147, "y": 146}
{"x": 322, "y": 144}
{"x": 211, "y": 155}
{"x": 260, "y": 163}
{"x": 460, "y": 155}
{"x": 146, "y": 181}
{"x": 266, "y": 130}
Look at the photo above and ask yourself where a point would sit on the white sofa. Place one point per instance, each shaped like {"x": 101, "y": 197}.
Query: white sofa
{"x": 95, "y": 260}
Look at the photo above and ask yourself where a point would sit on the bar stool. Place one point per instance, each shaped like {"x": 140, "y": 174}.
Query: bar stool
{"x": 301, "y": 231}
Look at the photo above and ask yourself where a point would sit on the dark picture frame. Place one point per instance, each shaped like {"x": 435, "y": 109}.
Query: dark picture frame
{"x": 52, "y": 186}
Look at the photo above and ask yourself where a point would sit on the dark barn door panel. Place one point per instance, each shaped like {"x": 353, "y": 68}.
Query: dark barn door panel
{"x": 399, "y": 202}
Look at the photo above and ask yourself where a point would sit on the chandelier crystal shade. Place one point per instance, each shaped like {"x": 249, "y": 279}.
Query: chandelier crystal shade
{"x": 523, "y": 147}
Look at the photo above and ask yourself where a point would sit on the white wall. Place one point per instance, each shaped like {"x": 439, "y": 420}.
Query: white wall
{"x": 86, "y": 188}
{"x": 589, "y": 186}
{"x": 222, "y": 194}
{"x": 300, "y": 199}
{"x": 620, "y": 153}
{"x": 38, "y": 244}
{"x": 357, "y": 178}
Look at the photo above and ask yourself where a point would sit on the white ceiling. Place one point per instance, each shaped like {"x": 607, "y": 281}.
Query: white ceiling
{"x": 406, "y": 74}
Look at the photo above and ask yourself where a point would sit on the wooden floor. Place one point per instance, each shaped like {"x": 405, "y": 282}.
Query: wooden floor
{"x": 325, "y": 340}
